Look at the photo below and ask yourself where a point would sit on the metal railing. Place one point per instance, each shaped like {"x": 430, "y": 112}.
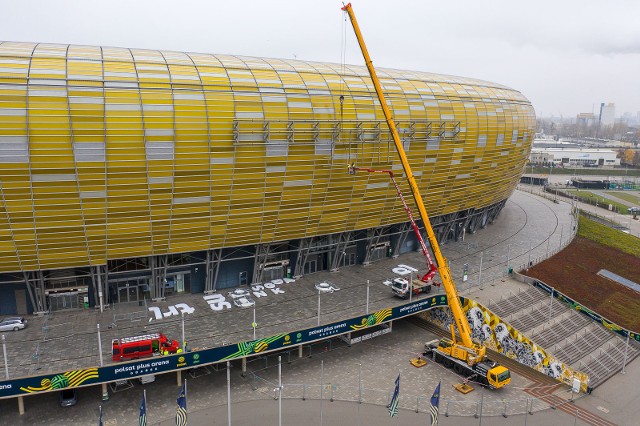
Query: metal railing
{"x": 356, "y": 393}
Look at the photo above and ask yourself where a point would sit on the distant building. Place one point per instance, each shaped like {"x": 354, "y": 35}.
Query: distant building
{"x": 607, "y": 114}
{"x": 572, "y": 157}
{"x": 585, "y": 119}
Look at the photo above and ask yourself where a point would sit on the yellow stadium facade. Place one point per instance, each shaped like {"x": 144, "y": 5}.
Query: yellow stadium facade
{"x": 128, "y": 174}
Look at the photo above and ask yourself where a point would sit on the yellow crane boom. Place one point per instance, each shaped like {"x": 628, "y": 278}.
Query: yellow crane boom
{"x": 443, "y": 268}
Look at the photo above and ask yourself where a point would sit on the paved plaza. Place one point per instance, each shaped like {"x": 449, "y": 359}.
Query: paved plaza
{"x": 528, "y": 229}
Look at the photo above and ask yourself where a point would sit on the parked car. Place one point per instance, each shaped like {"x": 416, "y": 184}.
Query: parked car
{"x": 68, "y": 397}
{"x": 13, "y": 323}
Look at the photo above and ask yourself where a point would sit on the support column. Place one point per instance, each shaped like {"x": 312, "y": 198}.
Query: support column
{"x": 158, "y": 266}
{"x": 342, "y": 241}
{"x": 21, "y": 405}
{"x": 212, "y": 267}
{"x": 300, "y": 351}
{"x": 105, "y": 392}
{"x": 244, "y": 366}
{"x": 304, "y": 248}
{"x": 373, "y": 239}
{"x": 35, "y": 286}
{"x": 403, "y": 233}
{"x": 179, "y": 377}
{"x": 260, "y": 258}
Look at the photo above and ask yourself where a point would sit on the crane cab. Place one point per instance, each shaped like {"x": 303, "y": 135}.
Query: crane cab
{"x": 498, "y": 377}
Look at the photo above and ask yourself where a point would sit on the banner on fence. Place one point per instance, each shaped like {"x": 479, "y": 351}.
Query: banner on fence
{"x": 497, "y": 334}
{"x": 586, "y": 311}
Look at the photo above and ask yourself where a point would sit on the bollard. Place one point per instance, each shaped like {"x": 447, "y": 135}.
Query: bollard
{"x": 304, "y": 391}
{"x": 446, "y": 411}
{"x": 417, "y": 404}
{"x": 331, "y": 398}
{"x": 530, "y": 411}
{"x": 476, "y": 413}
{"x": 504, "y": 414}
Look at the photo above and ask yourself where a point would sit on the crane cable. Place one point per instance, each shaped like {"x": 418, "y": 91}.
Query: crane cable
{"x": 343, "y": 48}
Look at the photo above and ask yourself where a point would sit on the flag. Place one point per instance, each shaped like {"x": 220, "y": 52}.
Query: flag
{"x": 181, "y": 412}
{"x": 393, "y": 405}
{"x": 100, "y": 421}
{"x": 435, "y": 400}
{"x": 142, "y": 418}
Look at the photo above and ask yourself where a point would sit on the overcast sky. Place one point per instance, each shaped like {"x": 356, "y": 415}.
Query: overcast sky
{"x": 566, "y": 56}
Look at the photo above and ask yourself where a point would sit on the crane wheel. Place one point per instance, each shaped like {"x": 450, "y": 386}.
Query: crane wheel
{"x": 447, "y": 363}
{"x": 458, "y": 369}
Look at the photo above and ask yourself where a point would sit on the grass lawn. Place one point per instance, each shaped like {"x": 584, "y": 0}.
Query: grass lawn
{"x": 586, "y": 194}
{"x": 624, "y": 195}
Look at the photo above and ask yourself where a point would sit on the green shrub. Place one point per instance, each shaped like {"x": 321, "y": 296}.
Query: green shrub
{"x": 610, "y": 237}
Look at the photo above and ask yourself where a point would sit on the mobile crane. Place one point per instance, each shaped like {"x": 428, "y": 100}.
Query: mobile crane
{"x": 466, "y": 357}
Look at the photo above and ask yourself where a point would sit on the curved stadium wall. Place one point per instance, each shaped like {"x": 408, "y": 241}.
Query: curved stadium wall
{"x": 113, "y": 153}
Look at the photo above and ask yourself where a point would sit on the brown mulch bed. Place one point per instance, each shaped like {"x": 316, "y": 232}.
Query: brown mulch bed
{"x": 574, "y": 270}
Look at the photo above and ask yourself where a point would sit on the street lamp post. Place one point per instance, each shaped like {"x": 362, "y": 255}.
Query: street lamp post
{"x": 229, "y": 393}
{"x": 279, "y": 390}
{"x": 367, "y": 311}
{"x": 253, "y": 324}
{"x": 318, "y": 307}
{"x": 99, "y": 344}
{"x": 6, "y": 363}
{"x": 480, "y": 274}
{"x": 183, "y": 338}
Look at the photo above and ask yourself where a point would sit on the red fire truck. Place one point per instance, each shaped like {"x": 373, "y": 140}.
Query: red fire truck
{"x": 142, "y": 346}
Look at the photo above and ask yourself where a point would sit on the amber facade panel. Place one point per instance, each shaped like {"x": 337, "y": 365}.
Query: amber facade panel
{"x": 110, "y": 153}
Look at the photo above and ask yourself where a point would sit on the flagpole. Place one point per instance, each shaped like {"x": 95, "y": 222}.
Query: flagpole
{"x": 439, "y": 393}
{"x": 228, "y": 393}
{"x": 321, "y": 387}
{"x": 399, "y": 370}
{"x": 144, "y": 402}
{"x": 279, "y": 391}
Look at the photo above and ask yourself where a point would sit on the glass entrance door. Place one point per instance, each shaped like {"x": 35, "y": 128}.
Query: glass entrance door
{"x": 273, "y": 273}
{"x": 130, "y": 292}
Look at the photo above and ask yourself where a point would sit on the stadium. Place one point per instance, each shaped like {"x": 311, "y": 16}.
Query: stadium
{"x": 129, "y": 174}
